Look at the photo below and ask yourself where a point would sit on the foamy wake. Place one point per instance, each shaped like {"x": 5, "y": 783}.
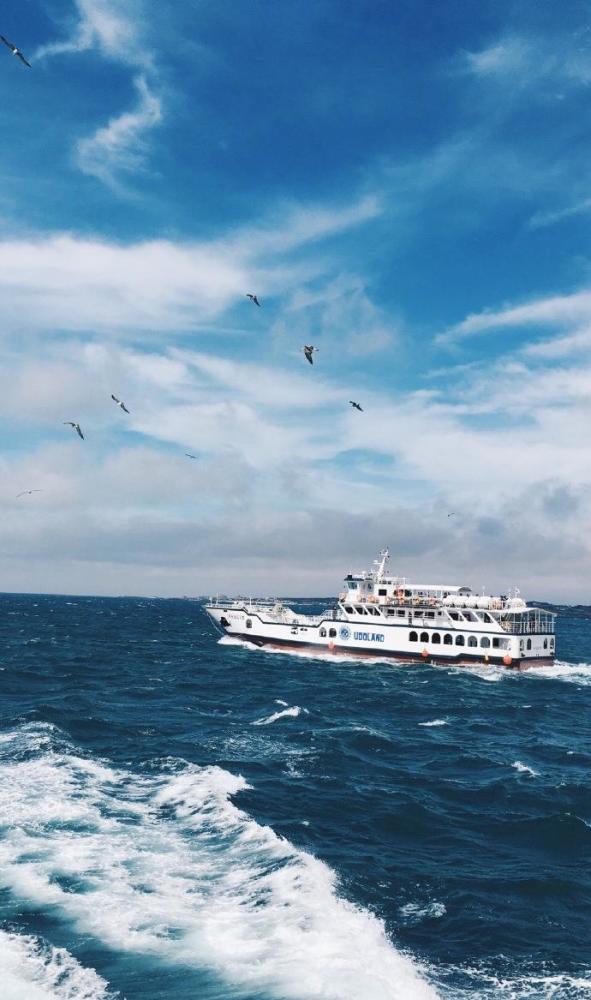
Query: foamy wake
{"x": 434, "y": 722}
{"x": 286, "y": 713}
{"x": 575, "y": 673}
{"x": 34, "y": 970}
{"x": 165, "y": 864}
{"x": 524, "y": 769}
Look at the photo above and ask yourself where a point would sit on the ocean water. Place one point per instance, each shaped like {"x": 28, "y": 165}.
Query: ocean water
{"x": 186, "y": 818}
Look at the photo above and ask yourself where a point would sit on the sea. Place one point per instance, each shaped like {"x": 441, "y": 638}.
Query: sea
{"x": 186, "y": 818}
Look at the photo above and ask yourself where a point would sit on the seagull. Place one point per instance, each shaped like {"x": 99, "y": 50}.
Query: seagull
{"x": 253, "y": 298}
{"x": 356, "y": 406}
{"x": 452, "y": 514}
{"x": 308, "y": 351}
{"x": 27, "y": 493}
{"x": 76, "y": 427}
{"x": 15, "y": 51}
{"x": 190, "y": 456}
{"x": 119, "y": 403}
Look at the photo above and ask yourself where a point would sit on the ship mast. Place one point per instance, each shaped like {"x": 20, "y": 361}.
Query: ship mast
{"x": 381, "y": 564}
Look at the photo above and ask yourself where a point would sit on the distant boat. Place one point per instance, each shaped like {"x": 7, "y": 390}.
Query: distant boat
{"x": 379, "y": 614}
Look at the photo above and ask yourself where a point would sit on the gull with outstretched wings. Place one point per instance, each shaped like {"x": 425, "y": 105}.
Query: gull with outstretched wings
{"x": 15, "y": 51}
{"x": 76, "y": 427}
{"x": 309, "y": 351}
{"x": 27, "y": 493}
{"x": 253, "y": 298}
{"x": 119, "y": 403}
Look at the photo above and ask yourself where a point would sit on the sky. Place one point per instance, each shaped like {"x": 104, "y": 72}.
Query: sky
{"x": 405, "y": 186}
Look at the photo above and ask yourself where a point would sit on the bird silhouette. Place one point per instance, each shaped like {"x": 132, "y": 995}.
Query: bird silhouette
{"x": 119, "y": 403}
{"x": 308, "y": 351}
{"x": 15, "y": 51}
{"x": 76, "y": 427}
{"x": 253, "y": 298}
{"x": 356, "y": 405}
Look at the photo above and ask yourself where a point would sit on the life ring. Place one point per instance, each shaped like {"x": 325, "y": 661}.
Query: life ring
{"x": 331, "y": 646}
{"x": 507, "y": 660}
{"x": 424, "y": 653}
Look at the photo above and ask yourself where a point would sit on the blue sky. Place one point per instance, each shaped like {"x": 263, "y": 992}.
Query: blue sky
{"x": 405, "y": 185}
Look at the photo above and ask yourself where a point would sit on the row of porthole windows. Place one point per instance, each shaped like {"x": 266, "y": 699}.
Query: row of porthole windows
{"x": 448, "y": 639}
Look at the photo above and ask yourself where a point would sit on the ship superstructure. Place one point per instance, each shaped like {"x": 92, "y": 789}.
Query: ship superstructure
{"x": 379, "y": 614}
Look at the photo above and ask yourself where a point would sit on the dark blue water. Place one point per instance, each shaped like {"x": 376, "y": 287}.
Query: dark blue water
{"x": 186, "y": 819}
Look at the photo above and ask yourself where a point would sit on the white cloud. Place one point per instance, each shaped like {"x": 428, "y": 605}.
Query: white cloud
{"x": 111, "y": 26}
{"x": 121, "y": 146}
{"x": 549, "y": 218}
{"x": 70, "y": 283}
{"x": 548, "y": 311}
{"x": 527, "y": 61}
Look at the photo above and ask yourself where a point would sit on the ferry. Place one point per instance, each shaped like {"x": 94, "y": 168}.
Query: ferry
{"x": 382, "y": 615}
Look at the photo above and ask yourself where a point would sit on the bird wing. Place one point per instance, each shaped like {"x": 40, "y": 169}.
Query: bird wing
{"x": 78, "y": 431}
{"x": 114, "y": 397}
{"x": 123, "y": 407}
{"x": 256, "y": 301}
{"x": 22, "y": 58}
{"x": 20, "y": 494}
{"x": 7, "y": 43}
{"x": 68, "y": 423}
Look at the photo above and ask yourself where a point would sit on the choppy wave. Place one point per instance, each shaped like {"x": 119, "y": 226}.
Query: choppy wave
{"x": 434, "y": 722}
{"x": 524, "y": 769}
{"x": 416, "y": 913}
{"x": 34, "y": 970}
{"x": 292, "y": 713}
{"x": 473, "y": 982}
{"x": 164, "y": 864}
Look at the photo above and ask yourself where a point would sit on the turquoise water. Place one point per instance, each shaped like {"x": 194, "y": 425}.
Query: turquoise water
{"x": 183, "y": 818}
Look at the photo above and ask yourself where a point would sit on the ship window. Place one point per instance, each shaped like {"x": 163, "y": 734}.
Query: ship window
{"x": 485, "y": 642}
{"x": 459, "y": 640}
{"x": 348, "y": 609}
{"x": 412, "y": 637}
{"x": 454, "y": 615}
{"x": 382, "y": 592}
{"x": 472, "y": 640}
{"x": 248, "y": 623}
{"x": 424, "y": 637}
{"x": 332, "y": 632}
{"x": 436, "y": 637}
{"x": 529, "y": 643}
{"x": 551, "y": 643}
{"x": 496, "y": 642}
{"x": 374, "y": 612}
{"x": 400, "y": 614}
{"x": 322, "y": 633}
{"x": 545, "y": 644}
{"x": 447, "y": 639}
{"x": 360, "y": 610}
{"x": 486, "y": 617}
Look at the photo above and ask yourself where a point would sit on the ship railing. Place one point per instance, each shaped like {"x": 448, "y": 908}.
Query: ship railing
{"x": 528, "y": 625}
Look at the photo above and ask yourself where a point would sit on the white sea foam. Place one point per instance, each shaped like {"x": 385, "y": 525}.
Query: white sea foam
{"x": 165, "y": 864}
{"x": 279, "y": 701}
{"x": 574, "y": 673}
{"x": 292, "y": 712}
{"x": 524, "y": 769}
{"x": 434, "y": 722}
{"x": 416, "y": 913}
{"x": 490, "y": 986}
{"x": 34, "y": 970}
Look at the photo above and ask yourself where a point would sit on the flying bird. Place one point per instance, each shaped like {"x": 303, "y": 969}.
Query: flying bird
{"x": 356, "y": 406}
{"x": 309, "y": 351}
{"x": 190, "y": 456}
{"x": 27, "y": 493}
{"x": 119, "y": 403}
{"x": 76, "y": 427}
{"x": 253, "y": 298}
{"x": 16, "y": 52}
{"x": 452, "y": 514}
